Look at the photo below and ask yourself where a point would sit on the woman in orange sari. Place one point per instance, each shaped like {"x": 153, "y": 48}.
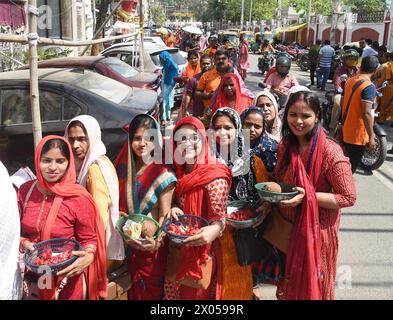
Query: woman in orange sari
{"x": 202, "y": 190}
{"x": 55, "y": 206}
{"x": 231, "y": 94}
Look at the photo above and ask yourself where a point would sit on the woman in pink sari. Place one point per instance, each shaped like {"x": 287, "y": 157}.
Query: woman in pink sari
{"x": 243, "y": 57}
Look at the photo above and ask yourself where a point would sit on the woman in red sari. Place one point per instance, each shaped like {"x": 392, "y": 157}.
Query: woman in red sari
{"x": 55, "y": 206}
{"x": 146, "y": 187}
{"x": 231, "y": 94}
{"x": 322, "y": 174}
{"x": 202, "y": 190}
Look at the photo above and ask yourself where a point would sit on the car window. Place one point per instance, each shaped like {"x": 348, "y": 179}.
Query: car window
{"x": 15, "y": 107}
{"x": 176, "y": 56}
{"x": 71, "y": 109}
{"x": 50, "y": 106}
{"x": 120, "y": 67}
{"x": 109, "y": 89}
{"x": 129, "y": 60}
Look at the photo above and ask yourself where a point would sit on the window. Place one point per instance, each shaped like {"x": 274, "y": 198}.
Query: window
{"x": 50, "y": 106}
{"x": 55, "y": 19}
{"x": 109, "y": 89}
{"x": 15, "y": 107}
{"x": 71, "y": 109}
{"x": 120, "y": 67}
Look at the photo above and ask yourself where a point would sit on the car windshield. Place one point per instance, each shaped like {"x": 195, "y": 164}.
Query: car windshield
{"x": 105, "y": 87}
{"x": 120, "y": 67}
{"x": 176, "y": 56}
{"x": 231, "y": 37}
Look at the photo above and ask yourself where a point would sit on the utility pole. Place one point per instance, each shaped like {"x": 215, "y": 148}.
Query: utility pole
{"x": 250, "y": 12}
{"x": 335, "y": 5}
{"x": 279, "y": 9}
{"x": 141, "y": 44}
{"x": 308, "y": 21}
{"x": 242, "y": 16}
{"x": 33, "y": 60}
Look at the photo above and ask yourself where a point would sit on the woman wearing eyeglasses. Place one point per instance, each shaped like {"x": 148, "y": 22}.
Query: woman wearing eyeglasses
{"x": 266, "y": 101}
{"x": 202, "y": 190}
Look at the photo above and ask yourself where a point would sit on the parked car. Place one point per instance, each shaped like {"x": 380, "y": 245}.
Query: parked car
{"x": 128, "y": 52}
{"x": 64, "y": 94}
{"x": 151, "y": 60}
{"x": 109, "y": 67}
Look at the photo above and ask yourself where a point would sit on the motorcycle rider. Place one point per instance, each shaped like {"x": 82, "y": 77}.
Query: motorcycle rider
{"x": 267, "y": 47}
{"x": 350, "y": 62}
{"x": 281, "y": 81}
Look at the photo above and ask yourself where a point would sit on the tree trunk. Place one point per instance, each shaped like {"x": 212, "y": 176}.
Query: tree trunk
{"x": 101, "y": 16}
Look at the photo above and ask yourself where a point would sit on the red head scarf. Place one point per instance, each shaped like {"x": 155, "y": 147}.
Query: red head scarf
{"x": 242, "y": 99}
{"x": 67, "y": 187}
{"x": 191, "y": 186}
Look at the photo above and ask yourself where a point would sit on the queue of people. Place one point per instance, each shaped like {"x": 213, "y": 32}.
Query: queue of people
{"x": 225, "y": 141}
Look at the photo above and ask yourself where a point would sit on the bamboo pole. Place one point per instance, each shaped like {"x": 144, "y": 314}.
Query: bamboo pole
{"x": 141, "y": 44}
{"x": 102, "y": 26}
{"x": 12, "y": 59}
{"x": 67, "y": 43}
{"x": 33, "y": 59}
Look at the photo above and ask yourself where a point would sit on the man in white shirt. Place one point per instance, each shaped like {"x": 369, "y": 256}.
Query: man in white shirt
{"x": 326, "y": 54}
{"x": 10, "y": 280}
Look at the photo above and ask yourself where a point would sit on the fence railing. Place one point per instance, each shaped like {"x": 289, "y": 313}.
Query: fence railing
{"x": 368, "y": 17}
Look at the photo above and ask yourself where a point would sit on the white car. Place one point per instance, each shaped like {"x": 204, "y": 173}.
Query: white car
{"x": 128, "y": 53}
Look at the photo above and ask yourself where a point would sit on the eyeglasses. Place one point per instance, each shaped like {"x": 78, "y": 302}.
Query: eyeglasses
{"x": 193, "y": 139}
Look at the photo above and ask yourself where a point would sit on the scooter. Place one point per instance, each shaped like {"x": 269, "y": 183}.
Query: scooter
{"x": 370, "y": 160}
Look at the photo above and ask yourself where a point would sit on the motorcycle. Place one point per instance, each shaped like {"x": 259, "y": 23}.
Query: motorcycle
{"x": 281, "y": 99}
{"x": 265, "y": 62}
{"x": 371, "y": 160}
{"x": 302, "y": 61}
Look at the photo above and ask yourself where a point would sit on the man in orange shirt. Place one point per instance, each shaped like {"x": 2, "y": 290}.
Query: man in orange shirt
{"x": 211, "y": 79}
{"x": 358, "y": 132}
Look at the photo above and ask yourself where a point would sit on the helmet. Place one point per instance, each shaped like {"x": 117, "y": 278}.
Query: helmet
{"x": 350, "y": 58}
{"x": 283, "y": 61}
{"x": 284, "y": 54}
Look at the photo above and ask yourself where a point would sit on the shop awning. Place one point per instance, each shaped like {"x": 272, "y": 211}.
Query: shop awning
{"x": 291, "y": 28}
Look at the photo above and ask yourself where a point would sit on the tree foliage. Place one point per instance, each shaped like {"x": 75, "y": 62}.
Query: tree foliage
{"x": 208, "y": 10}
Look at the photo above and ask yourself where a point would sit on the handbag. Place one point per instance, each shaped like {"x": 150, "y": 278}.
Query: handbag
{"x": 278, "y": 231}
{"x": 338, "y": 130}
{"x": 172, "y": 268}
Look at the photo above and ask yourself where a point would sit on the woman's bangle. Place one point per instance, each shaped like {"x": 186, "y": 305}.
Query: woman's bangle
{"x": 222, "y": 226}
{"x": 90, "y": 249}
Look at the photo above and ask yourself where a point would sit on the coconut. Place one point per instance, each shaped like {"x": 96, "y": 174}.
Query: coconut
{"x": 149, "y": 229}
{"x": 274, "y": 187}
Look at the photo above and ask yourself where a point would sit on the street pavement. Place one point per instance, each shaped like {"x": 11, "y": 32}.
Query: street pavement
{"x": 365, "y": 262}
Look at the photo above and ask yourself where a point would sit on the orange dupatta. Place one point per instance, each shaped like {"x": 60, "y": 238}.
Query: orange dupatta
{"x": 67, "y": 187}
